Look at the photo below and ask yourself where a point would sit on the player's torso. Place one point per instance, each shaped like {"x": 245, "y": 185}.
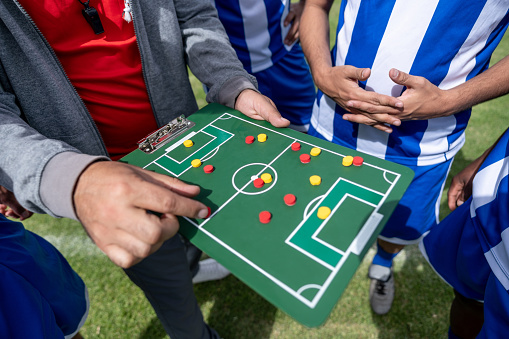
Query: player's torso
{"x": 447, "y": 42}
{"x": 256, "y": 30}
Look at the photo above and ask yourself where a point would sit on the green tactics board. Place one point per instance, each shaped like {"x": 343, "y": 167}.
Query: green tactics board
{"x": 297, "y": 261}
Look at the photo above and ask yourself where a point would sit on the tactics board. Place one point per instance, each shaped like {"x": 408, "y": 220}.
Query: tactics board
{"x": 297, "y": 261}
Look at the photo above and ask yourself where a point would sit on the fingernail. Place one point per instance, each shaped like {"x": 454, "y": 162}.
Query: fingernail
{"x": 394, "y": 73}
{"x": 399, "y": 104}
{"x": 396, "y": 123}
{"x": 204, "y": 213}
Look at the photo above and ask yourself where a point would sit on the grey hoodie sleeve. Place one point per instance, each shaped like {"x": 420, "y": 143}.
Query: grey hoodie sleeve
{"x": 26, "y": 157}
{"x": 209, "y": 53}
{"x": 59, "y": 180}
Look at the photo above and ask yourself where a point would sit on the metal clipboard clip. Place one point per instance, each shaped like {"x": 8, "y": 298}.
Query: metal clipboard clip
{"x": 165, "y": 134}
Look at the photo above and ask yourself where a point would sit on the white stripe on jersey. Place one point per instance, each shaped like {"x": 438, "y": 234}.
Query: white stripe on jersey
{"x": 257, "y": 34}
{"x": 460, "y": 68}
{"x": 435, "y": 136}
{"x": 344, "y": 36}
{"x": 498, "y": 259}
{"x": 485, "y": 187}
{"x": 323, "y": 117}
{"x": 285, "y": 30}
{"x": 407, "y": 25}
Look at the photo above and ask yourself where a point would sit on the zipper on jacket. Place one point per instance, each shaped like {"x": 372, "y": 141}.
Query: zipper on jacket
{"x": 63, "y": 71}
{"x": 159, "y": 123}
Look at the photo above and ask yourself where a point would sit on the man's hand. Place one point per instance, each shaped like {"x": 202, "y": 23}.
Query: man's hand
{"x": 259, "y": 107}
{"x": 10, "y": 207}
{"x": 293, "y": 18}
{"x": 341, "y": 83}
{"x": 461, "y": 185}
{"x": 112, "y": 200}
{"x": 422, "y": 100}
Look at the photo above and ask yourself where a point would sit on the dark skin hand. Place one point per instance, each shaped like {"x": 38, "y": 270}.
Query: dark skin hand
{"x": 10, "y": 207}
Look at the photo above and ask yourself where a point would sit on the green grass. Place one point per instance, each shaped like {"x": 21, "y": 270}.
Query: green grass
{"x": 420, "y": 310}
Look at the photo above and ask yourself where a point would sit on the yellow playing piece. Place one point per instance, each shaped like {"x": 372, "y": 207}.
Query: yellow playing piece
{"x": 266, "y": 177}
{"x": 315, "y": 151}
{"x": 315, "y": 180}
{"x": 323, "y": 212}
{"x": 347, "y": 161}
{"x": 196, "y": 163}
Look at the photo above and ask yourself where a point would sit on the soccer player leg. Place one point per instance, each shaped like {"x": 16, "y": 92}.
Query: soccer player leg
{"x": 165, "y": 278}
{"x": 290, "y": 85}
{"x": 418, "y": 209}
{"x": 414, "y": 215}
{"x": 41, "y": 296}
{"x": 453, "y": 250}
{"x": 496, "y": 310}
{"x": 466, "y": 317}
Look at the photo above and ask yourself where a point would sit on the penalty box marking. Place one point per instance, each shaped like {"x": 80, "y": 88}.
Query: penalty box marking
{"x": 304, "y": 237}
{"x": 177, "y": 168}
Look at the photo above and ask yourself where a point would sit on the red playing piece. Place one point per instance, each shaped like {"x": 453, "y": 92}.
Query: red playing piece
{"x": 295, "y": 146}
{"x": 258, "y": 183}
{"x": 305, "y": 158}
{"x": 208, "y": 169}
{"x": 357, "y": 161}
{"x": 265, "y": 217}
{"x": 290, "y": 199}
{"x": 250, "y": 139}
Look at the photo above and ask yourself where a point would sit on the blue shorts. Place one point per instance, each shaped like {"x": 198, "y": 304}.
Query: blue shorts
{"x": 290, "y": 85}
{"x": 418, "y": 209}
{"x": 40, "y": 295}
{"x": 454, "y": 251}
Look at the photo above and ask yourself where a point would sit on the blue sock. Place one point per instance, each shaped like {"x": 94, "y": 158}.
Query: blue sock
{"x": 452, "y": 335}
{"x": 383, "y": 258}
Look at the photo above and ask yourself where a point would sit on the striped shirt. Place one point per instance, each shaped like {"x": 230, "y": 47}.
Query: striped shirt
{"x": 447, "y": 42}
{"x": 489, "y": 209}
{"x": 256, "y": 30}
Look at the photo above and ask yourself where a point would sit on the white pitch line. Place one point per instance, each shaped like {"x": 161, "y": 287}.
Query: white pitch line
{"x": 165, "y": 169}
{"x": 261, "y": 270}
{"x": 288, "y": 240}
{"x": 285, "y": 287}
{"x": 178, "y": 143}
{"x": 358, "y": 244}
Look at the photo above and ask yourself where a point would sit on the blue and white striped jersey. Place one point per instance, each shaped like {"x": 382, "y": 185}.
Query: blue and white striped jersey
{"x": 447, "y": 42}
{"x": 256, "y": 30}
{"x": 489, "y": 209}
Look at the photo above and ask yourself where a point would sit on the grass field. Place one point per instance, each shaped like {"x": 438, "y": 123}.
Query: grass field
{"x": 420, "y": 310}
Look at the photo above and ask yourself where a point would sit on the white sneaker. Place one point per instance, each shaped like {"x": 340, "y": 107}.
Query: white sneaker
{"x": 209, "y": 270}
{"x": 381, "y": 289}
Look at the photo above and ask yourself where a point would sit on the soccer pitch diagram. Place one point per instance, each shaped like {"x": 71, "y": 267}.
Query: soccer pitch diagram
{"x": 295, "y": 240}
